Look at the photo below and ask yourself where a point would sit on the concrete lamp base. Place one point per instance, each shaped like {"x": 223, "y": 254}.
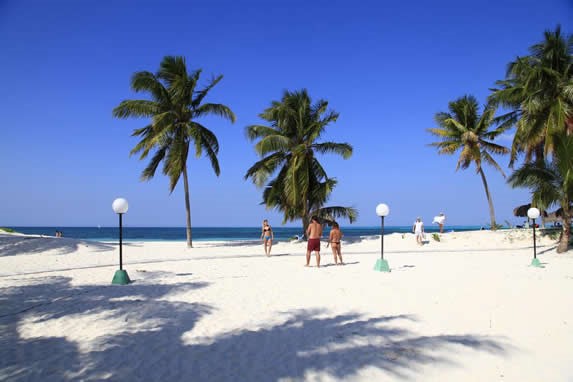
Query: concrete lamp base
{"x": 120, "y": 278}
{"x": 536, "y": 263}
{"x": 382, "y": 266}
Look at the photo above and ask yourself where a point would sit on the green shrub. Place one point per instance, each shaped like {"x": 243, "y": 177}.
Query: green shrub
{"x": 9, "y": 230}
{"x": 436, "y": 236}
{"x": 553, "y": 234}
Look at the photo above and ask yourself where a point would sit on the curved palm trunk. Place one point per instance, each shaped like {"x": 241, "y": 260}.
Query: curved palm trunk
{"x": 566, "y": 233}
{"x": 305, "y": 224}
{"x": 187, "y": 208}
{"x": 489, "y": 201}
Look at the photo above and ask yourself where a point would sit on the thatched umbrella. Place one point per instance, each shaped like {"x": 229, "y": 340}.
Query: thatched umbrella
{"x": 521, "y": 211}
{"x": 559, "y": 213}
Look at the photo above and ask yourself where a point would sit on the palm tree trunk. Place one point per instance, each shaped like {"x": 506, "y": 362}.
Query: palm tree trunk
{"x": 566, "y": 234}
{"x": 489, "y": 201}
{"x": 305, "y": 223}
{"x": 187, "y": 208}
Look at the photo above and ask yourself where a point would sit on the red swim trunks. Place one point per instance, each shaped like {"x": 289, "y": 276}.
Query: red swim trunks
{"x": 313, "y": 245}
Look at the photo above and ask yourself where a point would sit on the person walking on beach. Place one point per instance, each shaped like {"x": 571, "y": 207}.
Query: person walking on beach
{"x": 440, "y": 219}
{"x": 267, "y": 237}
{"x": 314, "y": 233}
{"x": 418, "y": 229}
{"x": 334, "y": 242}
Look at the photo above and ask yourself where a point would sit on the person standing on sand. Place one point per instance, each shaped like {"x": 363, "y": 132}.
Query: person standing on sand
{"x": 418, "y": 229}
{"x": 314, "y": 233}
{"x": 334, "y": 242}
{"x": 267, "y": 237}
{"x": 441, "y": 220}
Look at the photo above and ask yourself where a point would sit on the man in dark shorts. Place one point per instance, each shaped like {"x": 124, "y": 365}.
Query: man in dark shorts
{"x": 314, "y": 233}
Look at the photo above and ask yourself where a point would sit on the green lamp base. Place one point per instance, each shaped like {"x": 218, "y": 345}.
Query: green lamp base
{"x": 536, "y": 263}
{"x": 382, "y": 266}
{"x": 120, "y": 278}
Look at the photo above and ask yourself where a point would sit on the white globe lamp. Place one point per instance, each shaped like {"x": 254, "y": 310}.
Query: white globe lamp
{"x": 120, "y": 207}
{"x": 382, "y": 210}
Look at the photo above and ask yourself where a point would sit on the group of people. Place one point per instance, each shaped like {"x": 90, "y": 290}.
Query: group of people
{"x": 313, "y": 233}
{"x": 418, "y": 227}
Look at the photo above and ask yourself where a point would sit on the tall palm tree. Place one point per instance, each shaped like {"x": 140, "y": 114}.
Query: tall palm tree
{"x": 464, "y": 129}
{"x": 174, "y": 108}
{"x": 538, "y": 89}
{"x": 288, "y": 148}
{"x": 551, "y": 181}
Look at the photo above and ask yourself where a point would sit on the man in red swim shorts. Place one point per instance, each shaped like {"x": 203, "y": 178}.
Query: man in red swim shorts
{"x": 314, "y": 233}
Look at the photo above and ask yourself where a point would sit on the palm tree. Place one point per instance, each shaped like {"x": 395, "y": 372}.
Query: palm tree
{"x": 539, "y": 91}
{"x": 288, "y": 148}
{"x": 551, "y": 182}
{"x": 174, "y": 108}
{"x": 465, "y": 130}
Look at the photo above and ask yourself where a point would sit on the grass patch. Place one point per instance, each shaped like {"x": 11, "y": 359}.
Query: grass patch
{"x": 436, "y": 237}
{"x": 9, "y": 230}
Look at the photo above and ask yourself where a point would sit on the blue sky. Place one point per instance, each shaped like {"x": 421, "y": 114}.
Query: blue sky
{"x": 386, "y": 67}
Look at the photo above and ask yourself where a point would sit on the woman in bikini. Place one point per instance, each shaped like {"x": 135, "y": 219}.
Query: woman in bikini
{"x": 267, "y": 237}
{"x": 334, "y": 241}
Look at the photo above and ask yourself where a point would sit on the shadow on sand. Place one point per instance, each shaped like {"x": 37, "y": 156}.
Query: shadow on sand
{"x": 12, "y": 245}
{"x": 147, "y": 340}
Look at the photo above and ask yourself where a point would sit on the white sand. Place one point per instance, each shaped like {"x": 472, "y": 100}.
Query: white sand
{"x": 467, "y": 308}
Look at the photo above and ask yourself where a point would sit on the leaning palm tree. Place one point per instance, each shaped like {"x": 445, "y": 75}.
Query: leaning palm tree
{"x": 551, "y": 182}
{"x": 288, "y": 148}
{"x": 464, "y": 129}
{"x": 538, "y": 90}
{"x": 174, "y": 108}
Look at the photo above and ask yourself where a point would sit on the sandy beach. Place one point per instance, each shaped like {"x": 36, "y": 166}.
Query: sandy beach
{"x": 467, "y": 308}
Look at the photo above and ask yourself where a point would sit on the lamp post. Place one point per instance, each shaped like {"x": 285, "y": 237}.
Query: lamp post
{"x": 533, "y": 213}
{"x": 120, "y": 277}
{"x": 382, "y": 210}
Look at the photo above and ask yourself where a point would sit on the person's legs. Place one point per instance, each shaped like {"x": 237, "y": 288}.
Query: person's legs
{"x": 270, "y": 242}
{"x": 339, "y": 251}
{"x": 318, "y": 258}
{"x": 441, "y": 228}
{"x": 307, "y": 257}
{"x": 333, "y": 247}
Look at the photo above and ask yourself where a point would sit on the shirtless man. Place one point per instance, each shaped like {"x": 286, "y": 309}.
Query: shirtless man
{"x": 334, "y": 242}
{"x": 314, "y": 233}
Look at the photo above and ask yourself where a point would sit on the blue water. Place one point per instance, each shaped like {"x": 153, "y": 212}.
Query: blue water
{"x": 209, "y": 233}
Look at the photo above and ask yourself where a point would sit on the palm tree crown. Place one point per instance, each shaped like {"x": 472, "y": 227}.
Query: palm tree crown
{"x": 463, "y": 129}
{"x": 539, "y": 90}
{"x": 551, "y": 181}
{"x": 174, "y": 108}
{"x": 289, "y": 147}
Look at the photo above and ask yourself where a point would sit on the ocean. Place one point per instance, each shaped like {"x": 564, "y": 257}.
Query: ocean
{"x": 212, "y": 233}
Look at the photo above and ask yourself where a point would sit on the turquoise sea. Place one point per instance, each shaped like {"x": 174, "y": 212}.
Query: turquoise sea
{"x": 211, "y": 233}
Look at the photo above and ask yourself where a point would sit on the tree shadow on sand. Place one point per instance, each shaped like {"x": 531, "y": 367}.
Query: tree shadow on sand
{"x": 156, "y": 342}
{"x": 52, "y": 298}
{"x": 12, "y": 245}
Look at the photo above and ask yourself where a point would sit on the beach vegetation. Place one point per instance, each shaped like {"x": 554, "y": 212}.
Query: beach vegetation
{"x": 175, "y": 106}
{"x": 551, "y": 182}
{"x": 436, "y": 236}
{"x": 9, "y": 230}
{"x": 463, "y": 129}
{"x": 553, "y": 234}
{"x": 294, "y": 181}
{"x": 538, "y": 91}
